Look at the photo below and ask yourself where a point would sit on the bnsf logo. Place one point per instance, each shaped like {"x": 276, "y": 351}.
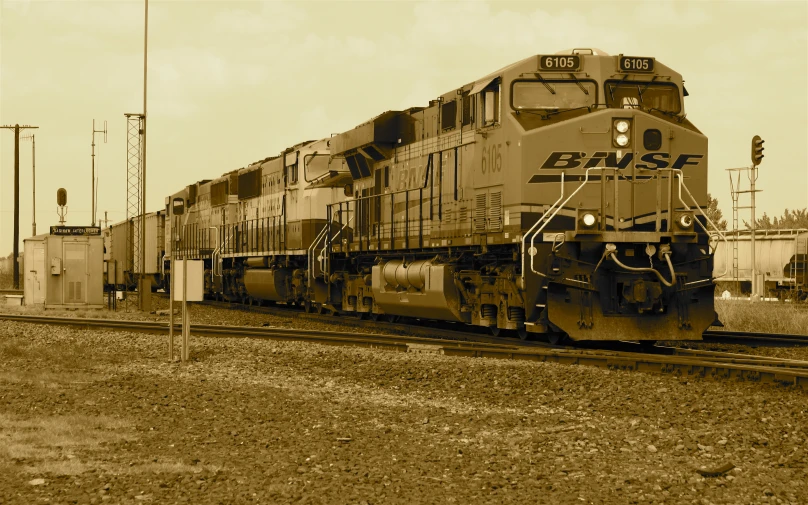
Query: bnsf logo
{"x": 651, "y": 161}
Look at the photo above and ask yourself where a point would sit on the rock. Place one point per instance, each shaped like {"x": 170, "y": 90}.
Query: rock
{"x": 716, "y": 471}
{"x": 651, "y": 448}
{"x": 36, "y": 482}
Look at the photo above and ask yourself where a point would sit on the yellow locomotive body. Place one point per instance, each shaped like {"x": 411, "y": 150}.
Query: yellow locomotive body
{"x": 539, "y": 199}
{"x": 560, "y": 195}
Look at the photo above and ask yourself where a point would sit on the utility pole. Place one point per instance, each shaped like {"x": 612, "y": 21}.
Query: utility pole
{"x": 33, "y": 179}
{"x": 144, "y": 290}
{"x": 92, "y": 182}
{"x": 17, "y": 128}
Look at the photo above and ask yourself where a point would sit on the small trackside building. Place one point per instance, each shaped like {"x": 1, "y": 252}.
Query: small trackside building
{"x": 65, "y": 268}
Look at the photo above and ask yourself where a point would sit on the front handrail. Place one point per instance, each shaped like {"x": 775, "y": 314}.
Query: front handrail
{"x": 556, "y": 207}
{"x": 547, "y": 217}
{"x": 538, "y": 221}
{"x": 678, "y": 174}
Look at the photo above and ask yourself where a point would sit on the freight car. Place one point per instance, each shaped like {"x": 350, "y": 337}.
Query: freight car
{"x": 561, "y": 195}
{"x": 121, "y": 250}
{"x": 781, "y": 261}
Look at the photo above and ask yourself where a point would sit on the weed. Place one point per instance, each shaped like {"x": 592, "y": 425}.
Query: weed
{"x": 769, "y": 317}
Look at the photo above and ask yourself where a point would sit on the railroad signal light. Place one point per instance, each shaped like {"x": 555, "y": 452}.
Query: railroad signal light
{"x": 61, "y": 197}
{"x": 757, "y": 150}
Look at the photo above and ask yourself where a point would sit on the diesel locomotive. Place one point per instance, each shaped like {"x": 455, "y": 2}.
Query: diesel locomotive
{"x": 561, "y": 196}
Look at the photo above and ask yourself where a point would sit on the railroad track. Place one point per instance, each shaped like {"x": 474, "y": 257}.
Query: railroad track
{"x": 683, "y": 362}
{"x": 755, "y": 339}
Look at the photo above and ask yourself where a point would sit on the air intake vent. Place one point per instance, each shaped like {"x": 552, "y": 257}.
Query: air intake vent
{"x": 479, "y": 212}
{"x": 495, "y": 212}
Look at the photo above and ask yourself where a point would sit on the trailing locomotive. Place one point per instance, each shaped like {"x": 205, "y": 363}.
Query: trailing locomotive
{"x": 560, "y": 195}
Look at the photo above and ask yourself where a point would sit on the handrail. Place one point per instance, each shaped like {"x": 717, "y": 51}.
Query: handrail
{"x": 552, "y": 212}
{"x": 555, "y": 208}
{"x": 215, "y": 251}
{"x": 538, "y": 221}
{"x": 310, "y": 251}
{"x": 678, "y": 173}
{"x": 336, "y": 235}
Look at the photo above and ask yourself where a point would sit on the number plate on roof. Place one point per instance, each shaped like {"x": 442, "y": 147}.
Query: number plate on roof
{"x": 636, "y": 64}
{"x": 559, "y": 62}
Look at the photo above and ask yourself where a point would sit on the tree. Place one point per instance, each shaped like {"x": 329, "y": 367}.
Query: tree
{"x": 714, "y": 213}
{"x": 791, "y": 219}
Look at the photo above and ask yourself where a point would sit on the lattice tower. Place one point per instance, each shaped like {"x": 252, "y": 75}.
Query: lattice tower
{"x": 134, "y": 185}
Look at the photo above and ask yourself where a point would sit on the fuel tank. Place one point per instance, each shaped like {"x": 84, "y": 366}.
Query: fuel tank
{"x": 267, "y": 283}
{"x": 417, "y": 289}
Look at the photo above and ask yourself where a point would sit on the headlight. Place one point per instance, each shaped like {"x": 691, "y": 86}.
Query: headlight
{"x": 587, "y": 221}
{"x": 621, "y": 126}
{"x": 685, "y": 220}
{"x": 622, "y": 140}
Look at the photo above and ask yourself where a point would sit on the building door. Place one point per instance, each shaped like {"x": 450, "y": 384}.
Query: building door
{"x": 36, "y": 275}
{"x": 75, "y": 273}
{"x": 39, "y": 274}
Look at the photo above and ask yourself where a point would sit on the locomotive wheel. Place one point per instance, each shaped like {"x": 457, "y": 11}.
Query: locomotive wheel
{"x": 392, "y": 318}
{"x": 321, "y": 309}
{"x": 522, "y": 332}
{"x": 307, "y": 307}
{"x": 495, "y": 330}
{"x": 557, "y": 338}
{"x": 374, "y": 316}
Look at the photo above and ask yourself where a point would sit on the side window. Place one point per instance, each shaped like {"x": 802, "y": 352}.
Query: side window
{"x": 467, "y": 108}
{"x": 448, "y": 115}
{"x": 491, "y": 105}
{"x": 291, "y": 174}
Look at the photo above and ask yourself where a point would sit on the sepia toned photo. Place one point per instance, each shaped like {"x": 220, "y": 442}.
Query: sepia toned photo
{"x": 403, "y": 252}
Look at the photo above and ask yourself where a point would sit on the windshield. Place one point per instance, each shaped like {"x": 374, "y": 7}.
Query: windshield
{"x": 527, "y": 95}
{"x": 648, "y": 95}
{"x": 316, "y": 165}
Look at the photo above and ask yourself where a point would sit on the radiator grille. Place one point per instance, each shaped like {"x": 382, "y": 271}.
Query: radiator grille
{"x": 495, "y": 212}
{"x": 479, "y": 212}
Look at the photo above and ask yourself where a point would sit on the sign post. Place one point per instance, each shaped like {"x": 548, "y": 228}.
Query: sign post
{"x": 188, "y": 282}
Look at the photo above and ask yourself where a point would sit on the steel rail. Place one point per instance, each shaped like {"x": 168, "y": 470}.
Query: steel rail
{"x": 754, "y": 338}
{"x": 766, "y": 371}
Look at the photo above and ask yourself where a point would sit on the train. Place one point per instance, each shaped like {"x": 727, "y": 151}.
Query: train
{"x": 121, "y": 252}
{"x": 559, "y": 197}
{"x": 781, "y": 261}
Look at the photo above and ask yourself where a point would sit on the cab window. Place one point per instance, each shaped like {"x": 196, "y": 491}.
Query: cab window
{"x": 661, "y": 96}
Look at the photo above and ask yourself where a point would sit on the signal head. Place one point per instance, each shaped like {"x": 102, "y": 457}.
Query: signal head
{"x": 757, "y": 150}
{"x": 61, "y": 197}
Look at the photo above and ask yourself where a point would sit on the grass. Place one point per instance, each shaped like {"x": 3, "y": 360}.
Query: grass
{"x": 48, "y": 444}
{"x": 770, "y": 317}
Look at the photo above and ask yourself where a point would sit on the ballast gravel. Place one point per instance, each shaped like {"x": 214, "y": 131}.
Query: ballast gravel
{"x": 102, "y": 417}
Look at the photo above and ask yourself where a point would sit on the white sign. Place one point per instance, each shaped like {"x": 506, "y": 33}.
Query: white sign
{"x": 196, "y": 281}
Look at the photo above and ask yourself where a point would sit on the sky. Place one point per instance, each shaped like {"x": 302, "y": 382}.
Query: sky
{"x": 233, "y": 82}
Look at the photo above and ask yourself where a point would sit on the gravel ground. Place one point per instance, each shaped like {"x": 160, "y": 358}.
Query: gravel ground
{"x": 101, "y": 417}
{"x": 235, "y": 315}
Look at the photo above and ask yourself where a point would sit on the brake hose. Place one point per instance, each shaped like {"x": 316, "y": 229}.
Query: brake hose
{"x": 653, "y": 270}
